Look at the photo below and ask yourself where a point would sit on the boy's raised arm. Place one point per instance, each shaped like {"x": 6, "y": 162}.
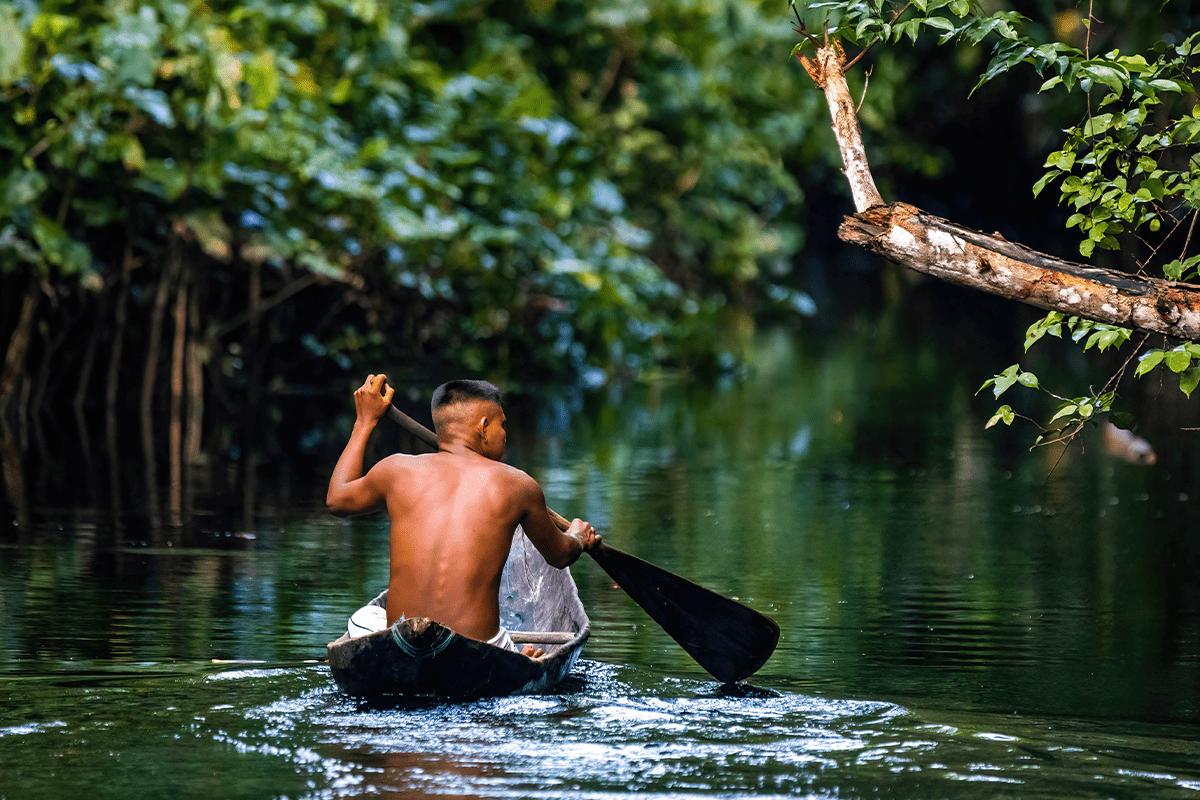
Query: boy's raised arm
{"x": 350, "y": 492}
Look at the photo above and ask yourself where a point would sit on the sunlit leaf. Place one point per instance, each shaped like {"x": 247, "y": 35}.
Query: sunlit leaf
{"x": 1178, "y": 360}
{"x": 1148, "y": 362}
{"x": 1067, "y": 410}
{"x": 12, "y": 47}
{"x": 1188, "y": 380}
{"x": 1003, "y": 414}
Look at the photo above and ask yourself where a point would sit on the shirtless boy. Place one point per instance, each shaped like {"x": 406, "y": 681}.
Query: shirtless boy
{"x": 453, "y": 512}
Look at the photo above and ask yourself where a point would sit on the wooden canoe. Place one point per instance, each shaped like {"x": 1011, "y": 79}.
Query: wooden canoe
{"x": 539, "y": 605}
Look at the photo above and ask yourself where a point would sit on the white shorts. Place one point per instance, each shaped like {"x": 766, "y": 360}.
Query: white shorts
{"x": 367, "y": 619}
{"x": 504, "y": 641}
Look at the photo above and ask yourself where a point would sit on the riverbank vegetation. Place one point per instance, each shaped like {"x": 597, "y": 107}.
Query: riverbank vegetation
{"x": 210, "y": 210}
{"x": 257, "y": 195}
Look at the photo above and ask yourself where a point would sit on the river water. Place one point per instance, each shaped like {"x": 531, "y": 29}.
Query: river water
{"x": 960, "y": 617}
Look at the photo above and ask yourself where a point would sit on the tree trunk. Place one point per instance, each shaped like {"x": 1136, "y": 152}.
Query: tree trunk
{"x": 13, "y": 476}
{"x": 110, "y": 389}
{"x": 84, "y": 377}
{"x": 120, "y": 319}
{"x": 18, "y": 345}
{"x": 988, "y": 262}
{"x": 253, "y": 358}
{"x": 176, "y": 425}
{"x": 194, "y": 367}
{"x": 158, "y": 313}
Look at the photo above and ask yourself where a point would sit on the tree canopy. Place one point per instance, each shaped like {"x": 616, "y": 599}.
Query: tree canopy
{"x": 536, "y": 191}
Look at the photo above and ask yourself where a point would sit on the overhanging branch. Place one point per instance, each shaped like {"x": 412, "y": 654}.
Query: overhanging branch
{"x": 909, "y": 236}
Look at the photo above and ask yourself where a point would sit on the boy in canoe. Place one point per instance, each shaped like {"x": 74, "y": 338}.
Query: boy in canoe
{"x": 453, "y": 512}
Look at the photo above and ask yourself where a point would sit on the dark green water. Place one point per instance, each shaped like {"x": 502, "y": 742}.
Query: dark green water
{"x": 960, "y": 617}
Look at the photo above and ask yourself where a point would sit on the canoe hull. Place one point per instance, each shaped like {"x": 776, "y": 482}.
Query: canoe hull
{"x": 422, "y": 658}
{"x": 461, "y": 668}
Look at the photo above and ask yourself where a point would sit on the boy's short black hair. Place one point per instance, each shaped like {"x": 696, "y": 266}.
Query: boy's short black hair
{"x": 461, "y": 390}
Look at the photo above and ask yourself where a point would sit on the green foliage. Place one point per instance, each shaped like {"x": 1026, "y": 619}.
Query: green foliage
{"x": 1071, "y": 413}
{"x": 1180, "y": 360}
{"x": 1128, "y": 167}
{"x": 547, "y": 189}
{"x": 1120, "y": 169}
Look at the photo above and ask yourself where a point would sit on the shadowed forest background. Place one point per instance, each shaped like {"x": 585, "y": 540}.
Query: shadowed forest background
{"x": 216, "y": 218}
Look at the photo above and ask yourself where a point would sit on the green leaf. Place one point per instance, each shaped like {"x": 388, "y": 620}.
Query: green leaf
{"x": 1148, "y": 362}
{"x": 58, "y": 247}
{"x": 263, "y": 78}
{"x": 1041, "y": 184}
{"x": 164, "y": 179}
{"x": 1168, "y": 85}
{"x": 1098, "y": 125}
{"x": 1003, "y": 414}
{"x": 1061, "y": 159}
{"x": 1068, "y": 409}
{"x": 1189, "y": 380}
{"x": 1051, "y": 83}
{"x": 21, "y": 187}
{"x": 12, "y": 47}
{"x": 210, "y": 231}
{"x": 1105, "y": 337}
{"x": 1178, "y": 360}
{"x": 133, "y": 155}
{"x": 1122, "y": 420}
{"x": 1004, "y": 381}
{"x": 1112, "y": 77}
{"x": 319, "y": 264}
{"x": 941, "y": 23}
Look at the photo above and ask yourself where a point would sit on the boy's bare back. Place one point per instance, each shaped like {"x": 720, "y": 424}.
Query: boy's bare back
{"x": 453, "y": 518}
{"x": 453, "y": 513}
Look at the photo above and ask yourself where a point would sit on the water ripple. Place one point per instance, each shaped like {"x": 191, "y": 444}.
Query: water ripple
{"x": 616, "y": 730}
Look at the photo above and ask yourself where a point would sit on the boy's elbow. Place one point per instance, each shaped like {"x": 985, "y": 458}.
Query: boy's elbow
{"x": 336, "y": 504}
{"x": 567, "y": 557}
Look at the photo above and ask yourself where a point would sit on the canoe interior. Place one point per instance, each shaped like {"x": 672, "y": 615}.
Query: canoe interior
{"x": 421, "y": 658}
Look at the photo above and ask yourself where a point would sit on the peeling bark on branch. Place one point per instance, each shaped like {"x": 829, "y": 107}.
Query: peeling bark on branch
{"x": 827, "y": 71}
{"x": 922, "y": 242}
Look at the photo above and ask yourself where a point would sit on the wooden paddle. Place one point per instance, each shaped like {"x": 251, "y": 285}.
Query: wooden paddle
{"x": 731, "y": 641}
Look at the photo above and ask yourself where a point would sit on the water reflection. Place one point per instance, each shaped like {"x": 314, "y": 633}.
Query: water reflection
{"x": 900, "y": 546}
{"x": 960, "y": 617}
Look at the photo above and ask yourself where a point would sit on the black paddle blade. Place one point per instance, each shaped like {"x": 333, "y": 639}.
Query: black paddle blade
{"x": 731, "y": 641}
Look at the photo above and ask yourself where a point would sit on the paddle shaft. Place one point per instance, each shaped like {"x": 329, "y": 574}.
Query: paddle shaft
{"x": 729, "y": 640}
